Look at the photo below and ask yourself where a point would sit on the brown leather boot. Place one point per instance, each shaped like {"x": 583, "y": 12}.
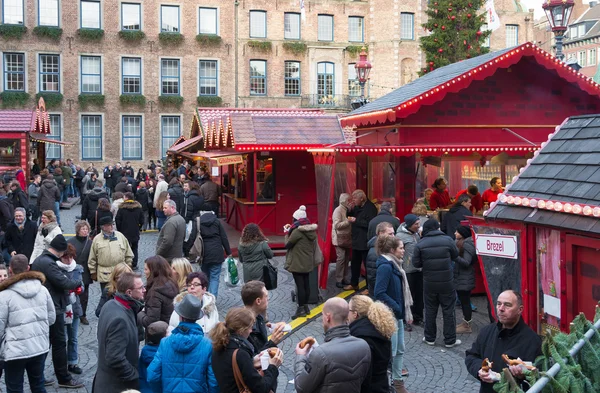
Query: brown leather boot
{"x": 464, "y": 327}
{"x": 399, "y": 387}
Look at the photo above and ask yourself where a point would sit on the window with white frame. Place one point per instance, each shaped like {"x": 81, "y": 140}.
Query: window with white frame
{"x": 170, "y": 130}
{"x": 49, "y": 72}
{"x": 48, "y": 13}
{"x": 132, "y": 137}
{"x": 169, "y": 77}
{"x": 591, "y": 57}
{"x": 169, "y": 19}
{"x": 14, "y": 72}
{"x": 54, "y": 151}
{"x": 90, "y": 14}
{"x": 325, "y": 28}
{"x": 207, "y": 18}
{"x": 258, "y": 24}
{"x": 407, "y": 26}
{"x": 132, "y": 75}
{"x": 258, "y": 77}
{"x": 353, "y": 85}
{"x": 581, "y": 30}
{"x": 91, "y": 74}
{"x": 291, "y": 26}
{"x": 581, "y": 58}
{"x": 573, "y": 32}
{"x": 91, "y": 137}
{"x": 486, "y": 41}
{"x": 13, "y": 12}
{"x": 207, "y": 75}
{"x": 131, "y": 16}
{"x": 356, "y": 30}
{"x": 292, "y": 78}
{"x": 512, "y": 35}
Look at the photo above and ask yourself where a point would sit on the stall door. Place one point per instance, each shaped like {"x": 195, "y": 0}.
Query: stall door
{"x": 583, "y": 272}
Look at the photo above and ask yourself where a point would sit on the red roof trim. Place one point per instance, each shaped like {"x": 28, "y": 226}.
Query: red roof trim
{"x": 481, "y": 72}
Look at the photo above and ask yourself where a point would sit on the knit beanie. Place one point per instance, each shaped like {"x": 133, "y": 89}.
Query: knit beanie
{"x": 59, "y": 243}
{"x": 464, "y": 231}
{"x": 410, "y": 220}
{"x": 300, "y": 213}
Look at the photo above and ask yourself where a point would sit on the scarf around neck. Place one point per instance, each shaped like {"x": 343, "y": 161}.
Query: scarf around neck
{"x": 408, "y": 300}
{"x": 69, "y": 268}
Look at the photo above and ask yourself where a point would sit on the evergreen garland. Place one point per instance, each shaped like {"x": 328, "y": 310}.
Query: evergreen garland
{"x": 14, "y": 99}
{"x": 455, "y": 27}
{"x": 209, "y": 39}
{"x": 132, "y": 99}
{"x": 171, "y": 100}
{"x": 90, "y": 34}
{"x": 295, "y": 47}
{"x": 209, "y": 100}
{"x": 354, "y": 50}
{"x": 170, "y": 38}
{"x": 12, "y": 31}
{"x": 262, "y": 46}
{"x": 54, "y": 33}
{"x": 86, "y": 100}
{"x": 52, "y": 100}
{"x": 132, "y": 35}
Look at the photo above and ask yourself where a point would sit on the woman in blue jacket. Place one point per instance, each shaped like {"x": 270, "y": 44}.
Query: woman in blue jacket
{"x": 391, "y": 288}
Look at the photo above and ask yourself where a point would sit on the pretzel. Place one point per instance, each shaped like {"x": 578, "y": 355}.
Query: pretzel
{"x": 272, "y": 352}
{"x": 307, "y": 341}
{"x": 516, "y": 362}
{"x": 486, "y": 365}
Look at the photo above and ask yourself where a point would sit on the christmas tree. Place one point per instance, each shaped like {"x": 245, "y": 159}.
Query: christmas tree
{"x": 455, "y": 27}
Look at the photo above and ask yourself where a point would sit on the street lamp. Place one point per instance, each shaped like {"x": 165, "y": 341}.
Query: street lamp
{"x": 363, "y": 68}
{"x": 558, "y": 13}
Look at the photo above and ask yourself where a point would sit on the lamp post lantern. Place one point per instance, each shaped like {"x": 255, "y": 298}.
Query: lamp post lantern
{"x": 363, "y": 68}
{"x": 558, "y": 13}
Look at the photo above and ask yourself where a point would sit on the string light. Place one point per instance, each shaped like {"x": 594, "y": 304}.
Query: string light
{"x": 548, "y": 204}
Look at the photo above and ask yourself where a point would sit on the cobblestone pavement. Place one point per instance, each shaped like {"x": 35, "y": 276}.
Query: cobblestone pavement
{"x": 432, "y": 369}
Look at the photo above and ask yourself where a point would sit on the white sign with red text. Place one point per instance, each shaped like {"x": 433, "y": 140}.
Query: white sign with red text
{"x": 501, "y": 246}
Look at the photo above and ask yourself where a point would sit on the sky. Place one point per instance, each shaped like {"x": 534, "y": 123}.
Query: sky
{"x": 537, "y": 6}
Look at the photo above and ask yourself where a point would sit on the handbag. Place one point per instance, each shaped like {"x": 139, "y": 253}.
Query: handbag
{"x": 237, "y": 374}
{"x": 319, "y": 258}
{"x": 270, "y": 276}
{"x": 94, "y": 230}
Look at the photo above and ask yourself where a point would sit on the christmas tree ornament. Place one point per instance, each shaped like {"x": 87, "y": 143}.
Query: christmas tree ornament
{"x": 453, "y": 17}
{"x": 435, "y": 25}
{"x": 431, "y": 63}
{"x": 469, "y": 15}
{"x": 440, "y": 50}
{"x": 449, "y": 9}
{"x": 443, "y": 27}
{"x": 478, "y": 33}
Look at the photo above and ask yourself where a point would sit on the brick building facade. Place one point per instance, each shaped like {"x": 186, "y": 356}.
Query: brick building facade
{"x": 121, "y": 95}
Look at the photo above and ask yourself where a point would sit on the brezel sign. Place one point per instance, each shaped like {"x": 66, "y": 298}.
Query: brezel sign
{"x": 497, "y": 246}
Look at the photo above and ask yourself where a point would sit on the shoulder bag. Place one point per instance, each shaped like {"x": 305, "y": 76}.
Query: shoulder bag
{"x": 237, "y": 374}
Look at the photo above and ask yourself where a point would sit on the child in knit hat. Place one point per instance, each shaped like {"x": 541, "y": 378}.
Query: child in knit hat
{"x": 155, "y": 332}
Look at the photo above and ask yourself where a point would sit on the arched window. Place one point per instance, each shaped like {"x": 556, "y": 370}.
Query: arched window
{"x": 325, "y": 80}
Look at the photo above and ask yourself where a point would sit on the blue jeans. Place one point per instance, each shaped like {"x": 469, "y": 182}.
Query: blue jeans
{"x": 72, "y": 331}
{"x": 213, "y": 272}
{"x": 57, "y": 211}
{"x": 13, "y": 374}
{"x": 398, "y": 351}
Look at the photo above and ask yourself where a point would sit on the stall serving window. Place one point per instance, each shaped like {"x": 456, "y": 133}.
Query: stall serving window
{"x": 265, "y": 179}
{"x": 10, "y": 152}
{"x": 382, "y": 182}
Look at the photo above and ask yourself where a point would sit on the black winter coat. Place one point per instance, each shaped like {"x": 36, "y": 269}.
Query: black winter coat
{"x": 176, "y": 193}
{"x": 464, "y": 272}
{"x": 6, "y": 212}
{"x": 116, "y": 175}
{"x": 453, "y": 218}
{"x": 215, "y": 239}
{"x": 363, "y": 214}
{"x": 371, "y": 263}
{"x": 18, "y": 198}
{"x": 57, "y": 281}
{"x": 435, "y": 253}
{"x": 90, "y": 205}
{"x": 192, "y": 204}
{"x": 381, "y": 350}
{"x": 21, "y": 241}
{"x": 259, "y": 338}
{"x": 82, "y": 246}
{"x": 130, "y": 219}
{"x": 222, "y": 367}
{"x": 142, "y": 196}
{"x": 493, "y": 341}
{"x": 158, "y": 304}
{"x": 47, "y": 195}
{"x": 122, "y": 187}
{"x": 383, "y": 216}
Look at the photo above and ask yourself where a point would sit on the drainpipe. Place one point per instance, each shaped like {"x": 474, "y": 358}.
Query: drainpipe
{"x": 236, "y": 43}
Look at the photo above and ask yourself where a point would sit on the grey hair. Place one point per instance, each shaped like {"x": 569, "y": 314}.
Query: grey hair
{"x": 22, "y": 210}
{"x": 170, "y": 203}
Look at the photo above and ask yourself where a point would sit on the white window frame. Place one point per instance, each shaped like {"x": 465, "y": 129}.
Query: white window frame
{"x": 160, "y": 27}
{"x": 13, "y": 4}
{"x": 323, "y": 31}
{"x": 46, "y": 13}
{"x": 582, "y": 58}
{"x": 351, "y": 29}
{"x": 140, "y": 15}
{"x": 512, "y": 35}
{"x": 216, "y": 10}
{"x": 592, "y": 57}
{"x": 256, "y": 18}
{"x": 288, "y": 25}
{"x": 407, "y": 26}
{"x": 81, "y": 2}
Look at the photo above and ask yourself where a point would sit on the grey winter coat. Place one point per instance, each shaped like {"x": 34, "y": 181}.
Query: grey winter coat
{"x": 409, "y": 240}
{"x": 48, "y": 195}
{"x": 26, "y": 313}
{"x": 253, "y": 257}
{"x": 435, "y": 253}
{"x": 171, "y": 237}
{"x": 464, "y": 272}
{"x": 371, "y": 263}
{"x": 300, "y": 256}
{"x": 338, "y": 365}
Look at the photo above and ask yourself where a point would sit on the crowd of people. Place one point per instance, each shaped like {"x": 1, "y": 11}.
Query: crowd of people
{"x": 413, "y": 268}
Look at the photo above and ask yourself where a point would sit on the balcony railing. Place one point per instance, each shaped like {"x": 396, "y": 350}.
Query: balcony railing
{"x": 334, "y": 101}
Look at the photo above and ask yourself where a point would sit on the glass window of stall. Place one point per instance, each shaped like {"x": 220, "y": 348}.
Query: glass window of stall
{"x": 265, "y": 179}
{"x": 10, "y": 152}
{"x": 345, "y": 176}
{"x": 382, "y": 180}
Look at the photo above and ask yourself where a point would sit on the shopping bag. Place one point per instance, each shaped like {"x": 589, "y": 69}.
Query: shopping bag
{"x": 231, "y": 273}
{"x": 270, "y": 276}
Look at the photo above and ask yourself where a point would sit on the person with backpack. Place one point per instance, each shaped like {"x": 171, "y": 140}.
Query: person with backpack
{"x": 216, "y": 249}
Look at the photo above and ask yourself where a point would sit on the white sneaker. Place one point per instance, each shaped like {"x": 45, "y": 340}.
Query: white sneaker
{"x": 432, "y": 343}
{"x": 457, "y": 342}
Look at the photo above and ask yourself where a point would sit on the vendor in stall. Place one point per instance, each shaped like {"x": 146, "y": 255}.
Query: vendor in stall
{"x": 491, "y": 194}
{"x": 440, "y": 199}
{"x": 426, "y": 197}
{"x": 476, "y": 201}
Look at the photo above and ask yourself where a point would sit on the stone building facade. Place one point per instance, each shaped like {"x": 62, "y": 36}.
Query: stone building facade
{"x": 125, "y": 76}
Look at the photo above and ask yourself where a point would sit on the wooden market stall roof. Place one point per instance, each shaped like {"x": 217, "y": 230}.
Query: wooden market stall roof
{"x": 434, "y": 86}
{"x": 560, "y": 186}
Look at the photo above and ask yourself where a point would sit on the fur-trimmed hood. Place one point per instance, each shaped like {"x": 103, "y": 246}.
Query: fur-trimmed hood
{"x": 307, "y": 228}
{"x": 24, "y": 290}
{"x": 130, "y": 204}
{"x": 208, "y": 302}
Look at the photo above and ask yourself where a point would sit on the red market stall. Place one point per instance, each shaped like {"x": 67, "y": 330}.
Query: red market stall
{"x": 467, "y": 122}
{"x": 542, "y": 236}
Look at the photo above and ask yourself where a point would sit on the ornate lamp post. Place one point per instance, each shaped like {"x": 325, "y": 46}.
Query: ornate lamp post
{"x": 363, "y": 68}
{"x": 558, "y": 13}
